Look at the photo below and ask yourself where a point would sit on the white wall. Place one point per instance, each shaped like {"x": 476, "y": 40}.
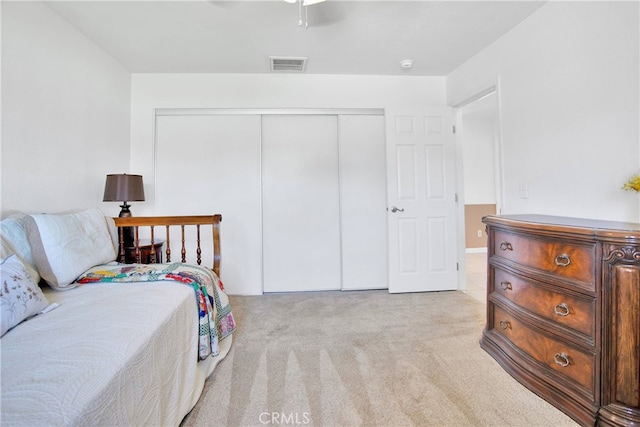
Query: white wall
{"x": 65, "y": 114}
{"x": 569, "y": 94}
{"x": 151, "y": 91}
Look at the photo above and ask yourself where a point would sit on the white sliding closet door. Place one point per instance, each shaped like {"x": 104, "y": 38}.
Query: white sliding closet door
{"x": 300, "y": 196}
{"x": 363, "y": 198}
{"x": 207, "y": 164}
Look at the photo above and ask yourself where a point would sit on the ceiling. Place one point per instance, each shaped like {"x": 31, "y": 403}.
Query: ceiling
{"x": 343, "y": 37}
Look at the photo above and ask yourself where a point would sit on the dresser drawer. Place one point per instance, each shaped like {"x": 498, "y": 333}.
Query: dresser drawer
{"x": 575, "y": 312}
{"x": 572, "y": 261}
{"x": 559, "y": 355}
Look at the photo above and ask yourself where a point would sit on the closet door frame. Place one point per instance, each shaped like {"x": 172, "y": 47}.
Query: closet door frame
{"x": 158, "y": 112}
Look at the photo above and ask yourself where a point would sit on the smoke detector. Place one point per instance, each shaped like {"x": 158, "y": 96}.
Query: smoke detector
{"x": 288, "y": 63}
{"x": 406, "y": 64}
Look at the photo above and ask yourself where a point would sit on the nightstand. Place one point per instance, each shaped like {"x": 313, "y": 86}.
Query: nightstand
{"x": 145, "y": 252}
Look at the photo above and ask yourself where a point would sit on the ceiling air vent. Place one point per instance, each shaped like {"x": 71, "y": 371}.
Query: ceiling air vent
{"x": 288, "y": 63}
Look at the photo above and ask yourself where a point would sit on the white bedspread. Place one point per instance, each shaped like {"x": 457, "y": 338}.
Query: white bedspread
{"x": 110, "y": 354}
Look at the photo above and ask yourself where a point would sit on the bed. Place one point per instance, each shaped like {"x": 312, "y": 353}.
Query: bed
{"x": 124, "y": 346}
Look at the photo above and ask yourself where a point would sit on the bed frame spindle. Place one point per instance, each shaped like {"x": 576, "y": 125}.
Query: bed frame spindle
{"x": 168, "y": 245}
{"x": 183, "y": 251}
{"x": 152, "y": 252}
{"x": 198, "y": 251}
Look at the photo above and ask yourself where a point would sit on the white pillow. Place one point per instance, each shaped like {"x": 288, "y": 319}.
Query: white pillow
{"x": 14, "y": 241}
{"x": 66, "y": 245}
{"x": 21, "y": 297}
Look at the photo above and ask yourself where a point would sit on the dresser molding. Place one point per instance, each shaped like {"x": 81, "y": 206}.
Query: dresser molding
{"x": 563, "y": 312}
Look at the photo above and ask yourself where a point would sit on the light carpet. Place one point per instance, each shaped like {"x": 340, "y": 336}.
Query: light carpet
{"x": 364, "y": 358}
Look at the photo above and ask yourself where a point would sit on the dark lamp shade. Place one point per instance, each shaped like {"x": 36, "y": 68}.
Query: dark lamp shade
{"x": 123, "y": 188}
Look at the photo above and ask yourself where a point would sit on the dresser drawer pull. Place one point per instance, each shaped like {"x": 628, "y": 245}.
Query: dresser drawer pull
{"x": 563, "y": 260}
{"x": 562, "y": 359}
{"x": 505, "y": 324}
{"x": 506, "y": 286}
{"x": 506, "y": 246}
{"x": 561, "y": 309}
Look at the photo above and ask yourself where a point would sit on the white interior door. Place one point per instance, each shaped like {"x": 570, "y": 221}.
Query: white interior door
{"x": 421, "y": 200}
{"x": 363, "y": 198}
{"x": 207, "y": 164}
{"x": 300, "y": 203}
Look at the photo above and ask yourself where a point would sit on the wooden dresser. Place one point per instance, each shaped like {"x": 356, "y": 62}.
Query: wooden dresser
{"x": 563, "y": 312}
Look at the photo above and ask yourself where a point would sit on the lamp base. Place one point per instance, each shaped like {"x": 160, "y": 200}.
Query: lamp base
{"x": 127, "y": 232}
{"x": 125, "y": 212}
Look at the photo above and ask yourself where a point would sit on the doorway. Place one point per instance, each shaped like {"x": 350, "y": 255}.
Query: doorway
{"x": 478, "y": 139}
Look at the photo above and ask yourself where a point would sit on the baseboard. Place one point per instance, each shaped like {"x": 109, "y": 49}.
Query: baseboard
{"x": 476, "y": 250}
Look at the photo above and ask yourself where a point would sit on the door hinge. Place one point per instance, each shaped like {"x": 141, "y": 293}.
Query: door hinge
{"x": 456, "y": 197}
{"x": 457, "y": 266}
{"x": 454, "y": 128}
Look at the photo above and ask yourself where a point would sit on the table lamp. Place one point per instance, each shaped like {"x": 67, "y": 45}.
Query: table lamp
{"x": 124, "y": 188}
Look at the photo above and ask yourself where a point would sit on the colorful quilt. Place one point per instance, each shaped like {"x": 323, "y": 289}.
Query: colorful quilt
{"x": 215, "y": 317}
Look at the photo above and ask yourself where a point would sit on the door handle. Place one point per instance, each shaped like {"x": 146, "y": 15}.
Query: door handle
{"x": 395, "y": 209}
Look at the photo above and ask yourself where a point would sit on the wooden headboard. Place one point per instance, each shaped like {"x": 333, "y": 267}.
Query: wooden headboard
{"x": 166, "y": 222}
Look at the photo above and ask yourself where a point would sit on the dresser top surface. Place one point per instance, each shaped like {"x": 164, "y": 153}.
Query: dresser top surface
{"x": 578, "y": 225}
